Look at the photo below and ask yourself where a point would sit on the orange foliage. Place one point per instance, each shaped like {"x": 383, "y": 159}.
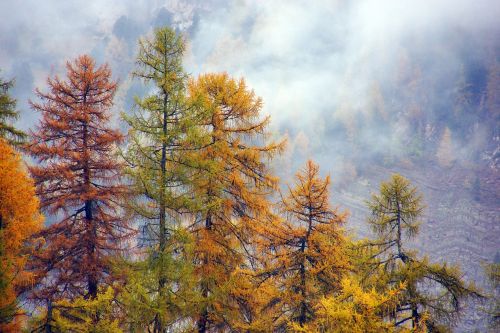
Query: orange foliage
{"x": 19, "y": 219}
{"x": 77, "y": 181}
{"x": 232, "y": 187}
{"x": 307, "y": 256}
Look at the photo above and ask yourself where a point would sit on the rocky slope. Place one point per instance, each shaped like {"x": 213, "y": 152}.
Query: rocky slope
{"x": 461, "y": 224}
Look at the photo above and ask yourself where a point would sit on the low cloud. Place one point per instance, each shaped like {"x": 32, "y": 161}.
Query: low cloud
{"x": 326, "y": 70}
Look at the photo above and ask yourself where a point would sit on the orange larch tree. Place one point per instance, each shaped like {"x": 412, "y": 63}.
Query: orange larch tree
{"x": 307, "y": 250}
{"x": 77, "y": 180}
{"x": 19, "y": 219}
{"x": 231, "y": 183}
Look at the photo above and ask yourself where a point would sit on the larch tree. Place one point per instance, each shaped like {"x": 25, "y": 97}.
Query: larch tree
{"x": 19, "y": 220}
{"x": 445, "y": 152}
{"x": 308, "y": 253}
{"x": 231, "y": 183}
{"x": 353, "y": 309}
{"x": 78, "y": 181}
{"x": 434, "y": 293}
{"x": 159, "y": 128}
{"x": 492, "y": 309}
{"x": 8, "y": 114}
{"x": 492, "y": 102}
{"x": 82, "y": 314}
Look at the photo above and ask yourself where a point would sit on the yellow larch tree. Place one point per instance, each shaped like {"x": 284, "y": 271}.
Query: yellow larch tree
{"x": 354, "y": 310}
{"x": 231, "y": 183}
{"x": 19, "y": 219}
{"x": 307, "y": 251}
{"x": 96, "y": 315}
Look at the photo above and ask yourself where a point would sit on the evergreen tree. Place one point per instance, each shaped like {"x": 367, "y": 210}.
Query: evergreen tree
{"x": 8, "y": 113}
{"x": 353, "y": 309}
{"x": 434, "y": 292}
{"x": 159, "y": 127}
{"x": 144, "y": 309}
{"x": 92, "y": 315}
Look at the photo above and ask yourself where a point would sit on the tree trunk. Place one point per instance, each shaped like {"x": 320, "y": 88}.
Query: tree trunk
{"x": 89, "y": 219}
{"x": 48, "y": 325}
{"x": 303, "y": 305}
{"x": 158, "y": 324}
{"x": 398, "y": 240}
{"x": 415, "y": 316}
{"x": 203, "y": 320}
{"x": 91, "y": 278}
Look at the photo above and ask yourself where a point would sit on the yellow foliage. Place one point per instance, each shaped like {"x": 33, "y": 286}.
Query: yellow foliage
{"x": 352, "y": 310}
{"x": 232, "y": 184}
{"x": 306, "y": 251}
{"x": 83, "y": 315}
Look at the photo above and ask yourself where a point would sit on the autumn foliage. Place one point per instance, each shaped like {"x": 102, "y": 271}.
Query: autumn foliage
{"x": 77, "y": 180}
{"x": 307, "y": 257}
{"x": 19, "y": 219}
{"x": 232, "y": 184}
{"x": 220, "y": 246}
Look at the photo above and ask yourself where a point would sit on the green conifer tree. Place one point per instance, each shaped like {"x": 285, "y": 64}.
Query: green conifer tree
{"x": 434, "y": 293}
{"x": 8, "y": 114}
{"x": 157, "y": 174}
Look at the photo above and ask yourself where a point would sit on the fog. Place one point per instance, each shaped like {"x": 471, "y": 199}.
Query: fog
{"x": 350, "y": 84}
{"x": 325, "y": 70}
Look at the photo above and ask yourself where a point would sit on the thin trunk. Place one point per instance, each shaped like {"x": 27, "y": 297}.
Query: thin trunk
{"x": 404, "y": 258}
{"x": 48, "y": 325}
{"x": 202, "y": 323}
{"x": 158, "y": 324}
{"x": 398, "y": 240}
{"x": 415, "y": 315}
{"x": 91, "y": 278}
{"x": 163, "y": 179}
{"x": 203, "y": 320}
{"x": 89, "y": 219}
{"x": 303, "y": 306}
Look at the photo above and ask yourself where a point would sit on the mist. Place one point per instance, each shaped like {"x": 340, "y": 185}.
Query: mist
{"x": 365, "y": 88}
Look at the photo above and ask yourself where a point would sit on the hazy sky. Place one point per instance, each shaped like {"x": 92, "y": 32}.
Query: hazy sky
{"x": 316, "y": 64}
